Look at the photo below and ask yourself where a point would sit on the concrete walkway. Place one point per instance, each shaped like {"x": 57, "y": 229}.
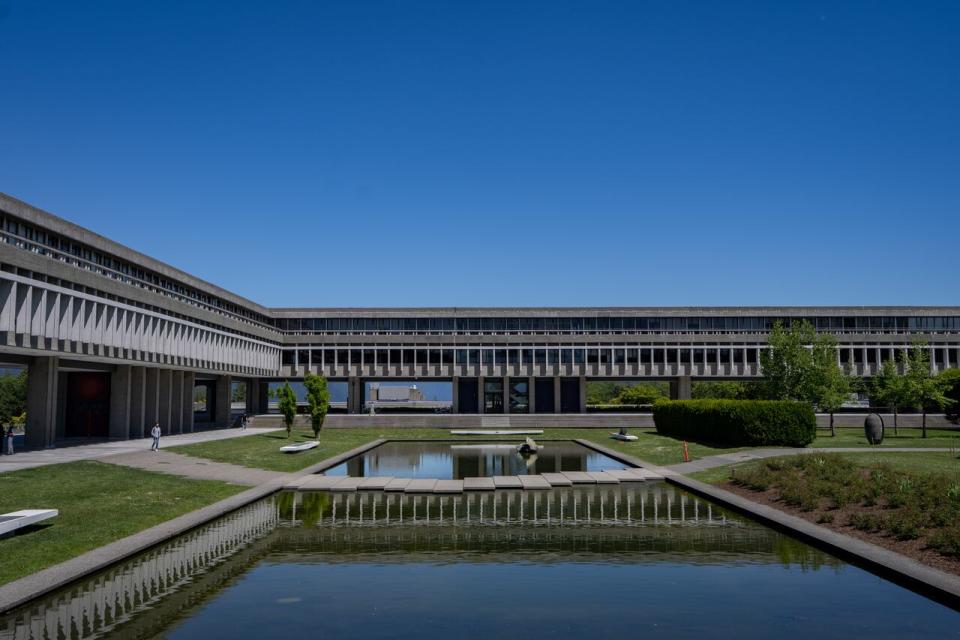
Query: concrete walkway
{"x": 197, "y": 468}
{"x": 100, "y": 450}
{"x": 710, "y": 462}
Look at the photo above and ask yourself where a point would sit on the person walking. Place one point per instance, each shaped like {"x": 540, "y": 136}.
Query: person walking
{"x": 243, "y": 422}
{"x": 10, "y": 441}
{"x": 155, "y": 432}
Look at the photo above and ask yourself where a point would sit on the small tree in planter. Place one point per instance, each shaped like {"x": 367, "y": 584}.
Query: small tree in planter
{"x": 287, "y": 403}
{"x": 318, "y": 401}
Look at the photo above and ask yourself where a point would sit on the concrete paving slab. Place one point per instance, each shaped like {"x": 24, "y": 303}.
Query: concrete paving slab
{"x": 478, "y": 484}
{"x": 397, "y": 484}
{"x": 625, "y": 475}
{"x": 646, "y": 474}
{"x": 602, "y": 477}
{"x": 579, "y": 477}
{"x": 507, "y": 482}
{"x": 534, "y": 483}
{"x": 321, "y": 483}
{"x": 377, "y": 483}
{"x": 347, "y": 484}
{"x": 557, "y": 479}
{"x": 448, "y": 486}
{"x": 420, "y": 485}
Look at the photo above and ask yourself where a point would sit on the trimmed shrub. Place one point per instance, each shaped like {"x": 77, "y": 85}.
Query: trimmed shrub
{"x": 737, "y": 422}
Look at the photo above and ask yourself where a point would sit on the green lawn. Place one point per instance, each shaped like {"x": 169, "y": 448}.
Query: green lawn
{"x": 262, "y": 450}
{"x": 99, "y": 503}
{"x": 906, "y": 438}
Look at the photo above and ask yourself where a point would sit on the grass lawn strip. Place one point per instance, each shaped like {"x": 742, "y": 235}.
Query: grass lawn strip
{"x": 892, "y": 500}
{"x": 99, "y": 503}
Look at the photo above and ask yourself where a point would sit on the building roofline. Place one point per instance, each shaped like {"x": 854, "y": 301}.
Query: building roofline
{"x": 56, "y": 224}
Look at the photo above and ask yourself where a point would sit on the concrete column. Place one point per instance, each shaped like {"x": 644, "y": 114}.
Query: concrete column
{"x": 506, "y": 394}
{"x": 221, "y": 410}
{"x": 61, "y": 405}
{"x": 556, "y": 394}
{"x": 480, "y": 397}
{"x": 151, "y": 399}
{"x": 164, "y": 380}
{"x": 42, "y": 396}
{"x": 455, "y": 395}
{"x": 263, "y": 397}
{"x": 681, "y": 388}
{"x": 189, "y": 380}
{"x": 120, "y": 402}
{"x": 583, "y": 394}
{"x": 138, "y": 394}
{"x": 532, "y": 394}
{"x": 176, "y": 402}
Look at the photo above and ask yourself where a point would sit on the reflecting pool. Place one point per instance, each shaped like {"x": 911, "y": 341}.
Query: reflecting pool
{"x": 451, "y": 460}
{"x": 587, "y": 561}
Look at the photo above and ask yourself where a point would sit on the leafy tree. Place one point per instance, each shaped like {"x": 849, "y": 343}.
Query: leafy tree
{"x": 318, "y": 401}
{"x": 923, "y": 389}
{"x": 603, "y": 392}
{"x": 639, "y": 394}
{"x": 951, "y": 380}
{"x": 888, "y": 389}
{"x": 239, "y": 393}
{"x": 830, "y": 385}
{"x": 13, "y": 396}
{"x": 287, "y": 403}
{"x": 788, "y": 365}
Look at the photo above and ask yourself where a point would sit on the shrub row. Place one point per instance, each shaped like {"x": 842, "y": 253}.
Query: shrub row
{"x": 737, "y": 422}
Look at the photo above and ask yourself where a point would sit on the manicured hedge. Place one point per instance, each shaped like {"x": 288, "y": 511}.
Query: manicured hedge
{"x": 737, "y": 422}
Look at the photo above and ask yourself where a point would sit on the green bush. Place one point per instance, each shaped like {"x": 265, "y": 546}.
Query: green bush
{"x": 737, "y": 422}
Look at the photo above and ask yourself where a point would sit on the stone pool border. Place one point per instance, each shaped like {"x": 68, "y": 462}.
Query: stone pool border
{"x": 22, "y": 591}
{"x": 937, "y": 585}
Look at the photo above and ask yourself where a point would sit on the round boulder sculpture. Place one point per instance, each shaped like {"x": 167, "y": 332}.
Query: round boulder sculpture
{"x": 873, "y": 428}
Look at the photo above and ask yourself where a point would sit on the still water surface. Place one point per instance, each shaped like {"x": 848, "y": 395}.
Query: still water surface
{"x": 596, "y": 562}
{"x": 447, "y": 460}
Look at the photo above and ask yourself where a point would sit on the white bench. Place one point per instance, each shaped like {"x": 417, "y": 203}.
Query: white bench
{"x": 10, "y": 522}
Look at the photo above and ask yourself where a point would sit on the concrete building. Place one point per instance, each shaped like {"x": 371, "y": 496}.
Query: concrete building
{"x": 115, "y": 340}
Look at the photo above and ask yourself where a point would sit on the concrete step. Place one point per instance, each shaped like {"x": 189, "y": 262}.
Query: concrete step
{"x": 602, "y": 477}
{"x": 534, "y": 483}
{"x": 557, "y": 479}
{"x": 478, "y": 484}
{"x": 448, "y": 486}
{"x": 507, "y": 482}
{"x": 420, "y": 485}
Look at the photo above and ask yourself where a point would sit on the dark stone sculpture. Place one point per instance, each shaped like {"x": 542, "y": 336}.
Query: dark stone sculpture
{"x": 873, "y": 428}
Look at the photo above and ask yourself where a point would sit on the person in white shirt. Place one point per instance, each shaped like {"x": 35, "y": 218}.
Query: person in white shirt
{"x": 155, "y": 432}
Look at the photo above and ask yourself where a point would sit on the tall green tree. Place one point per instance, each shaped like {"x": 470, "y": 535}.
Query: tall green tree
{"x": 888, "y": 389}
{"x": 951, "y": 380}
{"x": 318, "y": 401}
{"x": 789, "y": 372}
{"x": 830, "y": 385}
{"x": 287, "y": 403}
{"x": 13, "y": 396}
{"x": 923, "y": 389}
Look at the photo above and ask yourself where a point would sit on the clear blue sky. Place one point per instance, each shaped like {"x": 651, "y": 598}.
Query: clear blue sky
{"x": 501, "y": 153}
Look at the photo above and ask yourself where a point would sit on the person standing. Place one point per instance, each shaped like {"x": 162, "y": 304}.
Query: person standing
{"x": 155, "y": 432}
{"x": 10, "y": 441}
